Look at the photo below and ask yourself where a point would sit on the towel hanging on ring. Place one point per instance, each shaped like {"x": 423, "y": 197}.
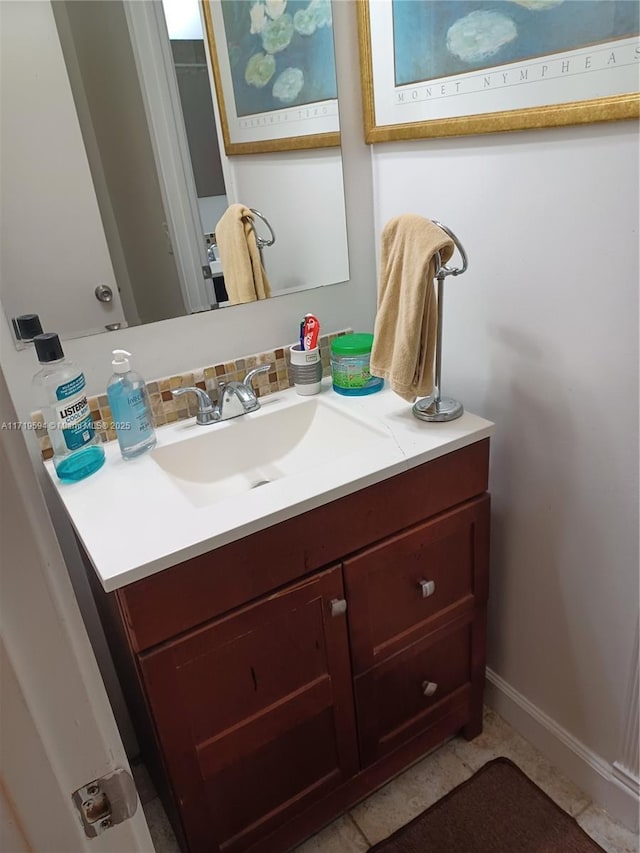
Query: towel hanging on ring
{"x": 245, "y": 278}
{"x": 405, "y": 330}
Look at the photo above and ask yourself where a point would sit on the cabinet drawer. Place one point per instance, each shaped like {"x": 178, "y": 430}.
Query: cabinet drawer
{"x": 179, "y": 598}
{"x": 415, "y": 581}
{"x": 254, "y": 713}
{"x": 401, "y": 697}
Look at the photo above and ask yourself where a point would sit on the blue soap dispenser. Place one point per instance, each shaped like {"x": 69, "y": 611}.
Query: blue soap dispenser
{"x": 130, "y": 407}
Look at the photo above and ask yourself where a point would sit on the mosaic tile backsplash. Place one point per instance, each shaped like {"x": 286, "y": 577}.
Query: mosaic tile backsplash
{"x": 167, "y": 408}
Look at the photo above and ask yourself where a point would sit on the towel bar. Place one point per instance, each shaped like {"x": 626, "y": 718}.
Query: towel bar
{"x": 436, "y": 407}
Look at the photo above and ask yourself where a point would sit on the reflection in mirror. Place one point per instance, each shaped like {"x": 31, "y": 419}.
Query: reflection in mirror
{"x": 275, "y": 73}
{"x": 159, "y": 273}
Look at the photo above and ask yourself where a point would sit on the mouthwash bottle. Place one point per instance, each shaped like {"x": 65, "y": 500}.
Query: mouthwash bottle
{"x": 130, "y": 407}
{"x": 60, "y": 392}
{"x": 26, "y": 327}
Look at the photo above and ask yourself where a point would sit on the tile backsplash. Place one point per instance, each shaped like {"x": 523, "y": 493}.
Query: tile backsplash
{"x": 167, "y": 408}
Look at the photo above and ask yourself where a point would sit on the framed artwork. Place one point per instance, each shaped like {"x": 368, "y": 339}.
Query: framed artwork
{"x": 434, "y": 68}
{"x": 274, "y": 72}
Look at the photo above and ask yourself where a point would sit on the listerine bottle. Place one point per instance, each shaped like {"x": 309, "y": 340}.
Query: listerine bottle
{"x": 60, "y": 392}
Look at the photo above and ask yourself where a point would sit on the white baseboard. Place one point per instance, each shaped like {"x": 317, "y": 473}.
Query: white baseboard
{"x": 610, "y": 787}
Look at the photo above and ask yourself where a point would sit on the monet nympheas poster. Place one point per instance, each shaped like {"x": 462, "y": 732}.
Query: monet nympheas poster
{"x": 436, "y": 60}
{"x": 276, "y": 68}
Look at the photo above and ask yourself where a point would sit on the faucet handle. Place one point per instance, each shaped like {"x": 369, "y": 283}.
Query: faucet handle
{"x": 206, "y": 411}
{"x": 248, "y": 379}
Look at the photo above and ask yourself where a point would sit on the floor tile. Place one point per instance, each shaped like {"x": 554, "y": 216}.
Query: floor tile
{"x": 499, "y": 739}
{"x": 407, "y": 795}
{"x": 608, "y": 834}
{"x": 489, "y": 745}
{"x": 555, "y": 784}
{"x": 420, "y": 786}
{"x": 342, "y": 836}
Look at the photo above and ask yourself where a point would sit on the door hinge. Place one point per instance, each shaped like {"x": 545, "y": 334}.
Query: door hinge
{"x": 106, "y": 801}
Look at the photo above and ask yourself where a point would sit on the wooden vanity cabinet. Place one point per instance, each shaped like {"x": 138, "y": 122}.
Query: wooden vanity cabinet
{"x": 279, "y": 679}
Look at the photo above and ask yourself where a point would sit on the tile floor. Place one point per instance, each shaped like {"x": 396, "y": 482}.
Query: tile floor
{"x": 420, "y": 786}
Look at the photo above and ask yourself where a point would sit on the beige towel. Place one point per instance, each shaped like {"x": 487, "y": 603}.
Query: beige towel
{"x": 404, "y": 339}
{"x": 244, "y": 276}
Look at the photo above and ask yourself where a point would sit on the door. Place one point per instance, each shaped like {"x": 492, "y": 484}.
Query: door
{"x": 58, "y": 731}
{"x": 47, "y": 186}
{"x": 255, "y": 713}
{"x": 159, "y": 86}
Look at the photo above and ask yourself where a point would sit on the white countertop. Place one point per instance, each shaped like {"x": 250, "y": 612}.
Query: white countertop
{"x": 134, "y": 521}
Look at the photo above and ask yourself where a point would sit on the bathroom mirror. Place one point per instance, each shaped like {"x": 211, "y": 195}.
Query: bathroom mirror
{"x": 300, "y": 193}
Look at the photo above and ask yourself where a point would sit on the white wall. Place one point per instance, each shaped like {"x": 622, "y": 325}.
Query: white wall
{"x": 301, "y": 193}
{"x": 541, "y": 336}
{"x": 211, "y": 209}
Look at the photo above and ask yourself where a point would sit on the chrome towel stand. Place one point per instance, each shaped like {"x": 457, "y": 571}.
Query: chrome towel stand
{"x": 436, "y": 407}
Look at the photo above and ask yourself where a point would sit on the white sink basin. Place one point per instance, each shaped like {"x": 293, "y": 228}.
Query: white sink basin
{"x": 238, "y": 455}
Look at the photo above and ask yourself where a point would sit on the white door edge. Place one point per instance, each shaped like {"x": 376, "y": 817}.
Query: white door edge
{"x": 58, "y": 729}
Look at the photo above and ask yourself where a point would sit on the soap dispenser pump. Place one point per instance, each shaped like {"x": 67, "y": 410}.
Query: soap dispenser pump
{"x": 130, "y": 407}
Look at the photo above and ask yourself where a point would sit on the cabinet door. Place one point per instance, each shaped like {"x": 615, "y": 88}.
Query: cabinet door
{"x": 255, "y": 713}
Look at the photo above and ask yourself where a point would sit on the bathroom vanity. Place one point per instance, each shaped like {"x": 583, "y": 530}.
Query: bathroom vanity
{"x": 278, "y": 675}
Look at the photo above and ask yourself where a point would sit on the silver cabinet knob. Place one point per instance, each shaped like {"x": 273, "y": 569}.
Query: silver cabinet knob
{"x": 103, "y": 293}
{"x": 427, "y": 587}
{"x": 429, "y": 688}
{"x": 338, "y": 606}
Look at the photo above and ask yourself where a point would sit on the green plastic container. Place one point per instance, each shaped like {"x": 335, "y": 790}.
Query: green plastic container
{"x": 350, "y": 356}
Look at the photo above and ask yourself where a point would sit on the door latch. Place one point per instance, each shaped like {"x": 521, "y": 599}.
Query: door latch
{"x": 103, "y": 293}
{"x": 106, "y": 802}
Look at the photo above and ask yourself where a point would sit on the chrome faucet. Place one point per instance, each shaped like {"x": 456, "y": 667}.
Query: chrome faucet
{"x": 234, "y": 399}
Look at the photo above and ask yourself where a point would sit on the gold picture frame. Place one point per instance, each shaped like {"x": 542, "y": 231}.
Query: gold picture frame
{"x": 379, "y": 123}
{"x": 264, "y": 133}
